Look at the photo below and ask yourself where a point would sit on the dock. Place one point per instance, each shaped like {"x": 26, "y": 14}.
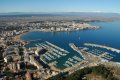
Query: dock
{"x": 72, "y": 45}
{"x": 56, "y": 47}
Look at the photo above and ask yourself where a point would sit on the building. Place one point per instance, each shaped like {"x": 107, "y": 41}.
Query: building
{"x": 28, "y": 76}
{"x": 35, "y": 62}
{"x": 40, "y": 51}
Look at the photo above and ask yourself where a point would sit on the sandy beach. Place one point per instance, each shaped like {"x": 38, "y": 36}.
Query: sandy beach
{"x": 18, "y": 37}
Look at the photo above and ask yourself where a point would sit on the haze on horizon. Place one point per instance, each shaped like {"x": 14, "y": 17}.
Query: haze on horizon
{"x": 59, "y": 6}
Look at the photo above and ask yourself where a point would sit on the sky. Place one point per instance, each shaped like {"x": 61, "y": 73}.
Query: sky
{"x": 60, "y": 6}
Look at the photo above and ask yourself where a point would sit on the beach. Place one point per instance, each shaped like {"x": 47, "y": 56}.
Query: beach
{"x": 18, "y": 37}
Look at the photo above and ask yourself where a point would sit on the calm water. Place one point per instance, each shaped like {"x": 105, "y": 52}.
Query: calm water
{"x": 109, "y": 35}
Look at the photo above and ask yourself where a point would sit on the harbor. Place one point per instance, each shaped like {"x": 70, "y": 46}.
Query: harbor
{"x": 94, "y": 56}
{"x": 102, "y": 54}
{"x": 72, "y": 61}
{"x": 89, "y": 56}
{"x": 53, "y": 52}
{"x": 84, "y": 37}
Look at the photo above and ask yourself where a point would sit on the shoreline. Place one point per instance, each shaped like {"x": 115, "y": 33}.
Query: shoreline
{"x": 18, "y": 37}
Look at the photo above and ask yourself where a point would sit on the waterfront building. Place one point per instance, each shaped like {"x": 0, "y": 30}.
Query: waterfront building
{"x": 35, "y": 62}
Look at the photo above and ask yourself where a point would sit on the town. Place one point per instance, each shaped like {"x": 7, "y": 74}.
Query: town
{"x": 59, "y": 39}
{"x": 19, "y": 62}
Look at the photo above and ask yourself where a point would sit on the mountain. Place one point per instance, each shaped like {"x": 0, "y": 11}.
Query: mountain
{"x": 97, "y": 14}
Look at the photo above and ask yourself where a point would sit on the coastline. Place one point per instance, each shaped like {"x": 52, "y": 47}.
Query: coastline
{"x": 18, "y": 37}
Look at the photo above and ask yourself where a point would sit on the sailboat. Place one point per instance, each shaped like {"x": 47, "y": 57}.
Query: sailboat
{"x": 79, "y": 38}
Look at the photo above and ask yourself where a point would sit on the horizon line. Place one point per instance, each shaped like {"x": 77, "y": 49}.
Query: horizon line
{"x": 64, "y": 12}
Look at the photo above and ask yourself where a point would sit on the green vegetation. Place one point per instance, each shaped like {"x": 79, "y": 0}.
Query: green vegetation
{"x": 80, "y": 74}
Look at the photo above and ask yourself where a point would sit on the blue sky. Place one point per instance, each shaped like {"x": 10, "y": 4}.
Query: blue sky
{"x": 60, "y": 6}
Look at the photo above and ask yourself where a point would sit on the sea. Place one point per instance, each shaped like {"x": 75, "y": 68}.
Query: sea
{"x": 108, "y": 34}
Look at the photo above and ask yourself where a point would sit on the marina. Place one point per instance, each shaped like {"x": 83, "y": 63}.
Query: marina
{"x": 101, "y": 54}
{"x": 65, "y": 38}
{"x": 53, "y": 52}
{"x": 95, "y": 53}
{"x": 72, "y": 61}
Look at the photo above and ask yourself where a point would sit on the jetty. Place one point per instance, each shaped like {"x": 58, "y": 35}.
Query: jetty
{"x": 72, "y": 45}
{"x": 102, "y": 46}
{"x": 35, "y": 40}
{"x": 75, "y": 63}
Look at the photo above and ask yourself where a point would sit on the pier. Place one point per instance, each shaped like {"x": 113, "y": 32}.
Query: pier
{"x": 35, "y": 40}
{"x": 56, "y": 47}
{"x": 101, "y": 46}
{"x": 72, "y": 45}
{"x": 102, "y": 54}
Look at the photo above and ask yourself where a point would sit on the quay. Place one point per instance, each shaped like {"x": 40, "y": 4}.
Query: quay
{"x": 35, "y": 40}
{"x": 101, "y": 46}
{"x": 72, "y": 45}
